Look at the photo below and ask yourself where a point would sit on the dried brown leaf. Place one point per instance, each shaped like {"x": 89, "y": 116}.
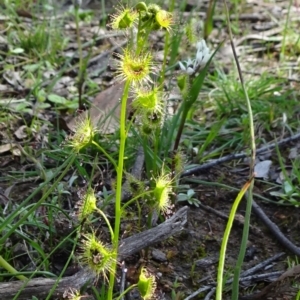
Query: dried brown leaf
{"x": 21, "y": 133}
{"x": 105, "y": 110}
{"x": 6, "y": 147}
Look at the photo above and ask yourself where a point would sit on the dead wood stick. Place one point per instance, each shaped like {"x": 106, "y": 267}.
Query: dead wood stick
{"x": 262, "y": 265}
{"x": 288, "y": 275}
{"x": 40, "y": 287}
{"x": 283, "y": 240}
{"x": 230, "y": 157}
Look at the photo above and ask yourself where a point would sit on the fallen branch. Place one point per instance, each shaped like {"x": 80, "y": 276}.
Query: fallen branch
{"x": 282, "y": 239}
{"x": 260, "y": 266}
{"x": 230, "y": 157}
{"x": 40, "y": 287}
{"x": 286, "y": 278}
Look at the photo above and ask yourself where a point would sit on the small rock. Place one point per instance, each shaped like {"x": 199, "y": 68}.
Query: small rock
{"x": 159, "y": 255}
{"x": 262, "y": 169}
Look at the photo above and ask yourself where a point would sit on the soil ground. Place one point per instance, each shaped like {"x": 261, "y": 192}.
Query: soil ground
{"x": 188, "y": 261}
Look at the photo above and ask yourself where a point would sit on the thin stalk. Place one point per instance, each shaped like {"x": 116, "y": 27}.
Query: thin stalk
{"x": 135, "y": 199}
{"x": 208, "y": 25}
{"x": 235, "y": 287}
{"x": 156, "y": 150}
{"x": 118, "y": 210}
{"x": 81, "y": 68}
{"x": 126, "y": 291}
{"x": 105, "y": 153}
{"x": 107, "y": 222}
{"x": 186, "y": 105}
{"x": 5, "y": 265}
{"x": 242, "y": 252}
{"x": 226, "y": 238}
{"x": 38, "y": 273}
{"x": 285, "y": 31}
{"x": 103, "y": 13}
{"x": 166, "y": 51}
{"x": 181, "y": 126}
{"x": 142, "y": 37}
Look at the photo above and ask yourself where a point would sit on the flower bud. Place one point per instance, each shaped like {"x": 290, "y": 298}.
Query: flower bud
{"x": 124, "y": 19}
{"x": 146, "y": 284}
{"x": 141, "y": 6}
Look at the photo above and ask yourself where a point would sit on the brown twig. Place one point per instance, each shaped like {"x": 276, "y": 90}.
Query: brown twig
{"x": 230, "y": 157}
{"x": 283, "y": 240}
{"x": 286, "y": 276}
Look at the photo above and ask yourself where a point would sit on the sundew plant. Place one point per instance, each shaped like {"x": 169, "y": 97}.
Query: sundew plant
{"x": 136, "y": 68}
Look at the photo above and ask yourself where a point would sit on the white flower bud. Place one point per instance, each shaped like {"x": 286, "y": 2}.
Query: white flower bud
{"x": 202, "y": 56}
{"x": 188, "y": 66}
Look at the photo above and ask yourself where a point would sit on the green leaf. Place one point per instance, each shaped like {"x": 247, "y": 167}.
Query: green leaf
{"x": 208, "y": 24}
{"x": 62, "y": 101}
{"x": 17, "y": 51}
{"x": 198, "y": 81}
{"x": 190, "y": 193}
{"x": 57, "y": 99}
{"x": 182, "y": 197}
{"x": 24, "y": 107}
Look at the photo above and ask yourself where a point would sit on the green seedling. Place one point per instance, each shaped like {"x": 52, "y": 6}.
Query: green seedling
{"x": 189, "y": 197}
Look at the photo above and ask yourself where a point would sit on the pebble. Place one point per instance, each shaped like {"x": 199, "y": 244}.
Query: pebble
{"x": 159, "y": 255}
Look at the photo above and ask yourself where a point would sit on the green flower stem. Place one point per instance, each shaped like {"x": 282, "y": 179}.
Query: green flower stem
{"x": 171, "y": 5}
{"x": 106, "y": 154}
{"x": 172, "y": 129}
{"x": 107, "y": 222}
{"x": 226, "y": 238}
{"x": 237, "y": 271}
{"x": 156, "y": 151}
{"x": 5, "y": 265}
{"x": 126, "y": 291}
{"x": 135, "y": 198}
{"x": 240, "y": 260}
{"x": 166, "y": 48}
{"x": 38, "y": 273}
{"x": 142, "y": 36}
{"x": 166, "y": 51}
{"x": 180, "y": 129}
{"x": 139, "y": 40}
{"x": 187, "y": 104}
{"x": 286, "y": 26}
{"x": 78, "y": 36}
{"x": 118, "y": 211}
{"x": 81, "y": 68}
